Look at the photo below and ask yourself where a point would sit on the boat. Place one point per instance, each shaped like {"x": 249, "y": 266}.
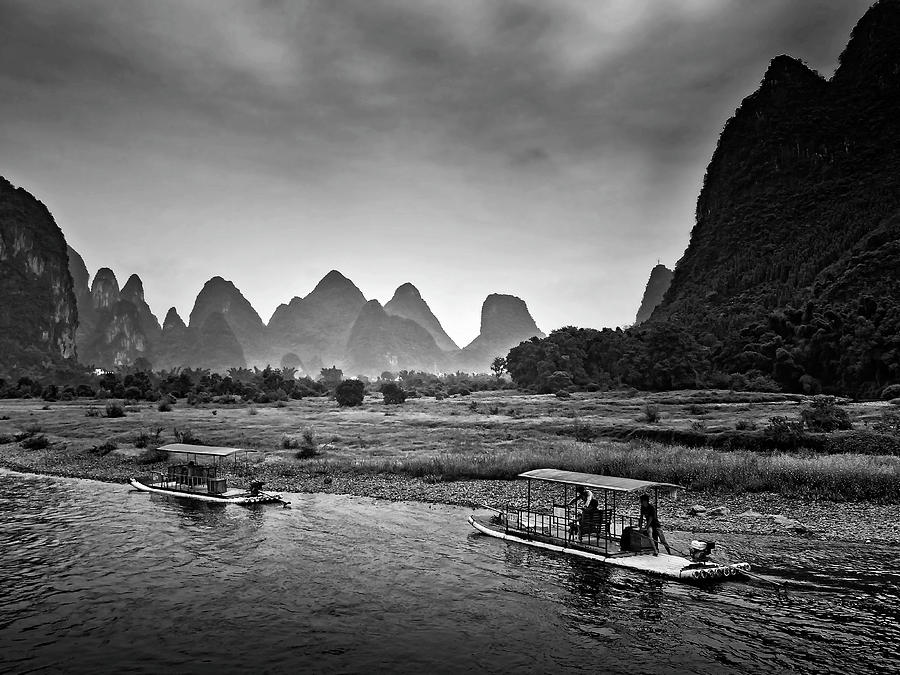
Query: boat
{"x": 550, "y": 522}
{"x": 196, "y": 475}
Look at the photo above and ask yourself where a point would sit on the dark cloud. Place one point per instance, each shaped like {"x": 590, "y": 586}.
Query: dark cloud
{"x": 469, "y": 117}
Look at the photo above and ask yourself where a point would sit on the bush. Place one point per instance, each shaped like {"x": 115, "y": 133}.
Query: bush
{"x": 745, "y": 425}
{"x": 104, "y": 448}
{"x": 584, "y": 433}
{"x": 889, "y": 423}
{"x": 698, "y": 425}
{"x": 113, "y": 409}
{"x": 784, "y": 432}
{"x": 890, "y": 391}
{"x": 862, "y": 443}
{"x": 651, "y": 413}
{"x": 164, "y": 406}
{"x": 186, "y": 436}
{"x": 153, "y": 456}
{"x": 562, "y": 393}
{"x": 393, "y": 393}
{"x": 825, "y": 415}
{"x": 252, "y": 410}
{"x": 35, "y": 442}
{"x": 308, "y": 447}
{"x": 350, "y": 393}
{"x": 147, "y": 438}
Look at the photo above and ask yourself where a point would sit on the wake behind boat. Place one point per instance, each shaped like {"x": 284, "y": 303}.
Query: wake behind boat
{"x": 599, "y": 533}
{"x": 197, "y": 477}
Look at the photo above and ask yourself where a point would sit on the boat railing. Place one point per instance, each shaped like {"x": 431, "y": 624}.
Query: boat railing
{"x": 565, "y": 524}
{"x": 204, "y": 483}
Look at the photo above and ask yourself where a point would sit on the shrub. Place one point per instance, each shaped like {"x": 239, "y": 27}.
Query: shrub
{"x": 153, "y": 456}
{"x": 584, "y": 433}
{"x": 695, "y": 409}
{"x": 252, "y": 410}
{"x": 745, "y": 425}
{"x": 890, "y": 391}
{"x": 698, "y": 425}
{"x": 35, "y": 442}
{"x": 308, "y": 446}
{"x": 888, "y": 423}
{"x": 147, "y": 438}
{"x": 393, "y": 393}
{"x": 651, "y": 413}
{"x": 862, "y": 443}
{"x": 186, "y": 436}
{"x": 825, "y": 415}
{"x": 113, "y": 409}
{"x": 164, "y": 405}
{"x": 350, "y": 393}
{"x": 784, "y": 432}
{"x": 562, "y": 393}
{"x": 104, "y": 448}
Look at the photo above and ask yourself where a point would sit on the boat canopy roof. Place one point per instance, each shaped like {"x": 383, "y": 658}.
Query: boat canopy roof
{"x": 207, "y": 450}
{"x": 592, "y": 480}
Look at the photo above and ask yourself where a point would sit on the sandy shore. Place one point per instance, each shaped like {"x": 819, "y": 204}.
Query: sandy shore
{"x": 750, "y": 513}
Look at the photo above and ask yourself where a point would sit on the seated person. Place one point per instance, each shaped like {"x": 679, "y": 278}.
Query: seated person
{"x": 589, "y": 510}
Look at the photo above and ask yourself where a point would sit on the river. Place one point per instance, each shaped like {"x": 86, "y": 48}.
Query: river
{"x": 96, "y": 577}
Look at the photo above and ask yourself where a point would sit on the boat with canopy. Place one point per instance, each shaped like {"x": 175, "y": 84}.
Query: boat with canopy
{"x": 196, "y": 473}
{"x": 550, "y": 520}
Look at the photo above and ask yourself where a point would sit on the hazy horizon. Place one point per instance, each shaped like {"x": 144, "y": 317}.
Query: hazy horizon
{"x": 549, "y": 150}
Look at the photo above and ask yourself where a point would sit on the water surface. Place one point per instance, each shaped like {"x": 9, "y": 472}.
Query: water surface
{"x": 97, "y": 578}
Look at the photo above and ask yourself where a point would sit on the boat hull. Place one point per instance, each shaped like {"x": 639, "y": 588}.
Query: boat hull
{"x": 663, "y": 565}
{"x": 214, "y": 499}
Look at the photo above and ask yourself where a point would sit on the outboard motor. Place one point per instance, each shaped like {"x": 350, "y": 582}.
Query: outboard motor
{"x": 700, "y": 550}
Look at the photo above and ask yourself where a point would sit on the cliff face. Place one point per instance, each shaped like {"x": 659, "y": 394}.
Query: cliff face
{"x": 380, "y": 342}
{"x": 38, "y": 311}
{"x": 124, "y": 328}
{"x": 657, "y": 285}
{"x": 219, "y": 295}
{"x": 408, "y": 304}
{"x": 799, "y": 210}
{"x": 81, "y": 285}
{"x": 317, "y": 327}
{"x": 505, "y": 322}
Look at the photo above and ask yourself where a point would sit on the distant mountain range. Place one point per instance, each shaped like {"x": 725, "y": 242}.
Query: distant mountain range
{"x": 53, "y": 311}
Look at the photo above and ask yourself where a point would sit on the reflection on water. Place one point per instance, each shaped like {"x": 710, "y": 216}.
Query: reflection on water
{"x": 97, "y": 577}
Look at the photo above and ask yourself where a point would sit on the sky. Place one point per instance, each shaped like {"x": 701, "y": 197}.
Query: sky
{"x": 549, "y": 149}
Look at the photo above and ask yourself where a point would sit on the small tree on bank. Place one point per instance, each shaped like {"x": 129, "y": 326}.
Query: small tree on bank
{"x": 350, "y": 393}
{"x": 393, "y": 393}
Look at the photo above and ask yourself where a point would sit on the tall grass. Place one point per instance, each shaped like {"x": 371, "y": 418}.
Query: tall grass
{"x": 834, "y": 477}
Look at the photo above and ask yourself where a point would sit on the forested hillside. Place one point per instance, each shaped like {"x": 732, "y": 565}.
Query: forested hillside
{"x": 791, "y": 274}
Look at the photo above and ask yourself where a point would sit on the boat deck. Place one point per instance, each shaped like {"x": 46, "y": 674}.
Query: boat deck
{"x": 607, "y": 551}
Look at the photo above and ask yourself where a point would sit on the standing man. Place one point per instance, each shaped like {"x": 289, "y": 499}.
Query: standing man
{"x": 648, "y": 511}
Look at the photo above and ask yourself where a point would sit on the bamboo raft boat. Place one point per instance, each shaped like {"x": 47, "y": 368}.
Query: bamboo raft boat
{"x": 197, "y": 477}
{"x": 609, "y": 537}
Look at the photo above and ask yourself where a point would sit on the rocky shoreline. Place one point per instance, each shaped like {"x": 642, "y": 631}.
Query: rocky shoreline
{"x": 749, "y": 513}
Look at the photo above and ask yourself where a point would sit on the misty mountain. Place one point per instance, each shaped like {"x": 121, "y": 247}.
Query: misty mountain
{"x": 657, "y": 285}
{"x": 317, "y": 327}
{"x": 379, "y": 342}
{"x": 222, "y": 296}
{"x": 505, "y": 322}
{"x": 38, "y": 310}
{"x": 408, "y": 304}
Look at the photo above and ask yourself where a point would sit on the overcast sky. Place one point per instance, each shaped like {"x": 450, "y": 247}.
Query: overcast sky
{"x": 551, "y": 149}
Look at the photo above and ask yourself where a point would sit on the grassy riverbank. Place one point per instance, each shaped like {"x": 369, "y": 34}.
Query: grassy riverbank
{"x": 489, "y": 436}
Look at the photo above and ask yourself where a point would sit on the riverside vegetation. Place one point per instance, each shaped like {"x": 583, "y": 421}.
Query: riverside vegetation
{"x": 490, "y": 435}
